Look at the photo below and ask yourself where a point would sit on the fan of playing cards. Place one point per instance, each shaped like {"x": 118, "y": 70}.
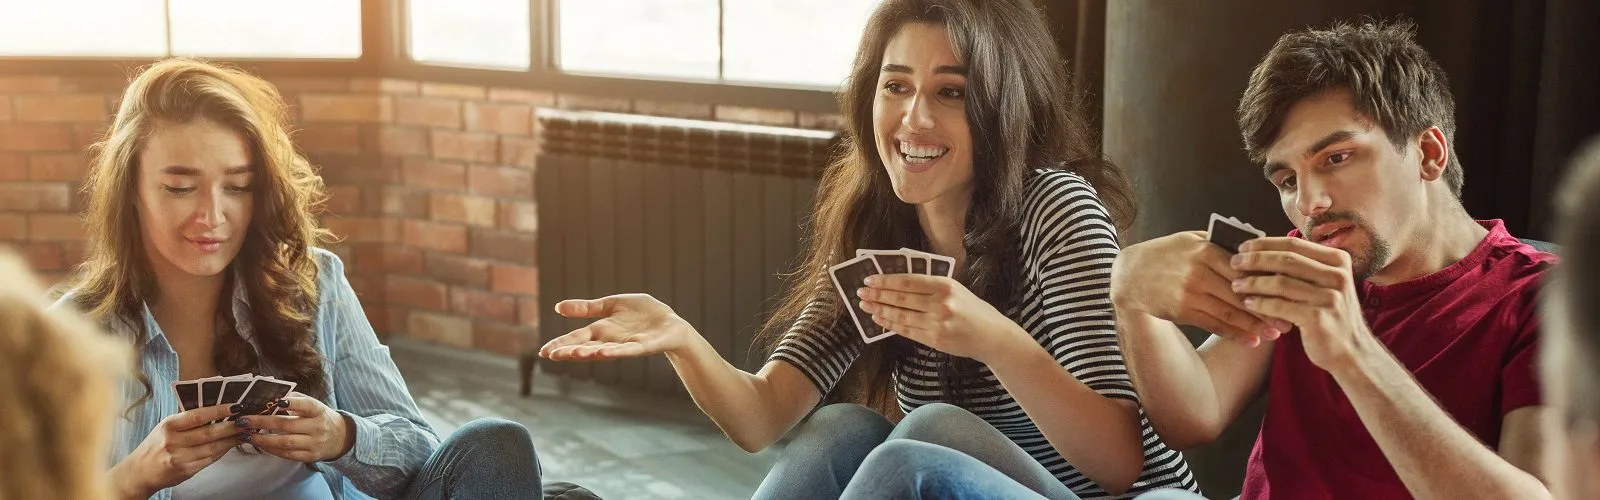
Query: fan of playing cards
{"x": 1230, "y": 232}
{"x": 252, "y": 392}
{"x": 851, "y": 274}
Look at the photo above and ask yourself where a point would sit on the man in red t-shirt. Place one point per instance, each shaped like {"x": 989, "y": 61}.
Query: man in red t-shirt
{"x": 1571, "y": 351}
{"x": 1393, "y": 334}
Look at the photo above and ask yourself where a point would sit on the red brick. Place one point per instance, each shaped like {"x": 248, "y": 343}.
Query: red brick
{"x": 519, "y": 151}
{"x": 439, "y": 328}
{"x": 433, "y": 175}
{"x": 433, "y": 236}
{"x": 13, "y": 226}
{"x": 13, "y": 167}
{"x": 55, "y": 227}
{"x": 477, "y": 147}
{"x": 760, "y": 116}
{"x": 362, "y": 229}
{"x": 19, "y": 84}
{"x": 109, "y": 86}
{"x": 519, "y": 216}
{"x": 389, "y": 258}
{"x": 403, "y": 141}
{"x": 415, "y": 292}
{"x": 61, "y": 108}
{"x": 385, "y": 86}
{"x": 508, "y": 246}
{"x": 506, "y": 340}
{"x": 530, "y": 97}
{"x": 501, "y": 182}
{"x": 310, "y": 84}
{"x": 453, "y": 90}
{"x": 594, "y": 103}
{"x": 44, "y": 257}
{"x": 673, "y": 109}
{"x": 35, "y": 196}
{"x": 470, "y": 210}
{"x": 368, "y": 286}
{"x": 507, "y": 278}
{"x": 73, "y": 252}
{"x": 457, "y": 270}
{"x": 35, "y": 137}
{"x": 478, "y": 304}
{"x": 821, "y": 121}
{"x": 364, "y": 108}
{"x": 428, "y": 112}
{"x": 5, "y": 108}
{"x": 329, "y": 138}
{"x": 377, "y": 315}
{"x": 528, "y": 311}
{"x": 58, "y": 167}
{"x": 85, "y": 134}
{"x": 344, "y": 200}
{"x": 509, "y": 119}
{"x": 404, "y": 201}
{"x": 398, "y": 318}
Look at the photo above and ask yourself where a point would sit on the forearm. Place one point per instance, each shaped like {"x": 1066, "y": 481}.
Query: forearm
{"x": 1176, "y": 389}
{"x": 1434, "y": 456}
{"x": 122, "y": 485}
{"x": 1098, "y": 435}
{"x": 740, "y": 403}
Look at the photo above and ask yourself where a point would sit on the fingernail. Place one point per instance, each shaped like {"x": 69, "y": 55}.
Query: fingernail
{"x": 1237, "y": 284}
{"x": 244, "y": 436}
{"x": 1250, "y": 302}
{"x": 242, "y": 422}
{"x": 236, "y": 409}
{"x": 1245, "y": 247}
{"x": 283, "y": 403}
{"x": 1237, "y": 260}
{"x": 871, "y": 280}
{"x": 1271, "y": 332}
{"x": 866, "y": 306}
{"x": 862, "y": 292}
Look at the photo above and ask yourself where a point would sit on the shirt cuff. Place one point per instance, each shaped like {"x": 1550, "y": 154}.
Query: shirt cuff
{"x": 364, "y": 451}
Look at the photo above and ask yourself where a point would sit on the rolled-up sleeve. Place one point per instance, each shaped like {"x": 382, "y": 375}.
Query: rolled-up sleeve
{"x": 392, "y": 440}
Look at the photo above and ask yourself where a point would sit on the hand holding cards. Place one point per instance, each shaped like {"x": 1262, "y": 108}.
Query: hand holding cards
{"x": 1229, "y": 232}
{"x": 254, "y": 394}
{"x": 851, "y": 275}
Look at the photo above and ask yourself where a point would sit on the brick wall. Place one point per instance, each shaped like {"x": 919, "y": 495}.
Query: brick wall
{"x": 431, "y": 189}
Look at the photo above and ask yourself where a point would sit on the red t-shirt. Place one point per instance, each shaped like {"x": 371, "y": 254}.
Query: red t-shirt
{"x": 1469, "y": 333}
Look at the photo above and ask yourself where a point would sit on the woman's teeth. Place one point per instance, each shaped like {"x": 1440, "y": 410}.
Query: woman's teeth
{"x": 921, "y": 154}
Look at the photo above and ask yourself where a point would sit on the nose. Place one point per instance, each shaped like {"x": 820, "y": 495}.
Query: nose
{"x": 1311, "y": 197}
{"x": 209, "y": 211}
{"x": 919, "y": 117}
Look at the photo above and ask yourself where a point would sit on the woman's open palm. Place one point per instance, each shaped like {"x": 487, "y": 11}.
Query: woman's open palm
{"x": 628, "y": 326}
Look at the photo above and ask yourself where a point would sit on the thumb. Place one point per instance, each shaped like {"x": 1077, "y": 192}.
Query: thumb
{"x": 577, "y": 308}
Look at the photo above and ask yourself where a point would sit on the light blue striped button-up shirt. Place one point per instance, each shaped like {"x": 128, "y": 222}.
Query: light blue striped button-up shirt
{"x": 392, "y": 439}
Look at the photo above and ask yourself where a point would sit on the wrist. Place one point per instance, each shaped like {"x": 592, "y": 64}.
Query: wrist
{"x": 1361, "y": 361}
{"x": 693, "y": 346}
{"x": 1016, "y": 344}
{"x": 347, "y": 436}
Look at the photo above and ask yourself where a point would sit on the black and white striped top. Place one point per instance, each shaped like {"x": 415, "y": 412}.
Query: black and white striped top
{"x": 1068, "y": 245}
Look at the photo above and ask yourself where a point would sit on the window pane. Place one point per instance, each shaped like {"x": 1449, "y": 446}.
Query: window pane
{"x": 82, "y": 28}
{"x": 660, "y": 38}
{"x": 811, "y": 43}
{"x": 486, "y": 33}
{"x": 290, "y": 28}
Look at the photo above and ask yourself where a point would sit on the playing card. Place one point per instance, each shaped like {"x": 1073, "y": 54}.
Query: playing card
{"x": 938, "y": 265}
{"x": 210, "y": 390}
{"x": 848, "y": 276}
{"x": 919, "y": 265}
{"x": 188, "y": 392}
{"x": 891, "y": 261}
{"x": 1229, "y": 232}
{"x": 263, "y": 391}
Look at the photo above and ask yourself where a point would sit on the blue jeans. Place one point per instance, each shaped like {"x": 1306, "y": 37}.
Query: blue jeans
{"x": 938, "y": 450}
{"x": 487, "y": 458}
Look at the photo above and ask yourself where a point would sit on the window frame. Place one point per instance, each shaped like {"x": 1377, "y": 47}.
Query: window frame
{"x": 384, "y": 43}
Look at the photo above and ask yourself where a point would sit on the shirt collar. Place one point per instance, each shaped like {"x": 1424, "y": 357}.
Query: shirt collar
{"x": 239, "y": 305}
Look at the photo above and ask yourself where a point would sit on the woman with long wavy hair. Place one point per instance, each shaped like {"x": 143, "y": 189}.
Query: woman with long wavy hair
{"x": 203, "y": 255}
{"x": 962, "y": 141}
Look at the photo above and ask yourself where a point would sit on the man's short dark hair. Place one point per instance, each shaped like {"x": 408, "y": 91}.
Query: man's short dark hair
{"x": 1576, "y": 288}
{"x": 1391, "y": 80}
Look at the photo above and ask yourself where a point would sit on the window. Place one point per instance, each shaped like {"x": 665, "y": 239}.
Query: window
{"x": 483, "y": 33}
{"x": 153, "y": 28}
{"x": 812, "y": 45}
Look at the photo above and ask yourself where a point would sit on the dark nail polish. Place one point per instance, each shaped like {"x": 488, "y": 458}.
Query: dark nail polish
{"x": 242, "y": 422}
{"x": 244, "y": 436}
{"x": 236, "y": 409}
{"x": 283, "y": 403}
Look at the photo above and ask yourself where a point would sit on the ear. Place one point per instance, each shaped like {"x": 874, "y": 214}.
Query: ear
{"x": 1435, "y": 153}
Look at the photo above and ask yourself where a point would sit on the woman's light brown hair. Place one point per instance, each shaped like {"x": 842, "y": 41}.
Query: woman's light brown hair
{"x": 275, "y": 263}
{"x": 57, "y": 377}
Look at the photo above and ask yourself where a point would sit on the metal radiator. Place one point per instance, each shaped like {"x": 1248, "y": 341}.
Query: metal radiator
{"x": 703, "y": 215}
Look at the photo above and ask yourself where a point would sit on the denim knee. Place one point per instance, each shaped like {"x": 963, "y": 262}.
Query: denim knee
{"x": 939, "y": 423}
{"x": 494, "y": 440}
{"x": 842, "y": 424}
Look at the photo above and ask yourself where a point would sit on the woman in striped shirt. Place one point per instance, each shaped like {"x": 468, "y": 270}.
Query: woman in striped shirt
{"x": 963, "y": 142}
{"x": 202, "y": 257}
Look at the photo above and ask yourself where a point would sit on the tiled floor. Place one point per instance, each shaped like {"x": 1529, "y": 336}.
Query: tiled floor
{"x": 620, "y": 444}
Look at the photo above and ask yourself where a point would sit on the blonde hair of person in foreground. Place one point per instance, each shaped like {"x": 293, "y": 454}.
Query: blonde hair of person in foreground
{"x": 57, "y": 377}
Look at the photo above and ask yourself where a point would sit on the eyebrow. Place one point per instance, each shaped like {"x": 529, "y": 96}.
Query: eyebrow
{"x": 1316, "y": 147}
{"x": 194, "y": 172}
{"x": 949, "y": 70}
